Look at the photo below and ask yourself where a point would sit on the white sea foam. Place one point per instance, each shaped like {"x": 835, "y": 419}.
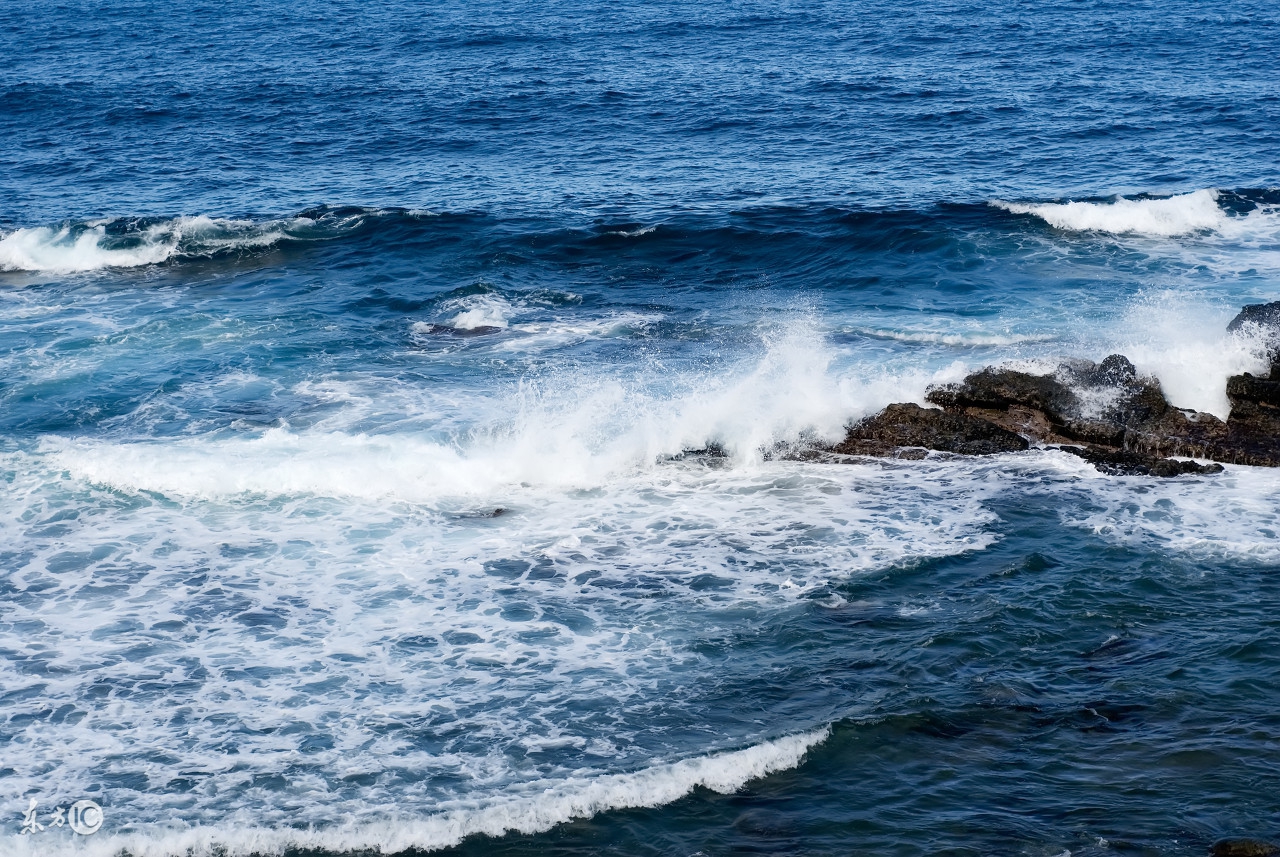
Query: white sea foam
{"x": 1182, "y": 339}
{"x": 1197, "y": 213}
{"x": 535, "y": 335}
{"x": 73, "y": 248}
{"x": 959, "y": 339}
{"x": 577, "y": 430}
{"x": 633, "y": 233}
{"x": 62, "y": 250}
{"x": 476, "y": 311}
{"x": 536, "y": 807}
{"x": 278, "y": 618}
{"x": 1170, "y": 216}
{"x": 1234, "y": 516}
{"x": 530, "y": 335}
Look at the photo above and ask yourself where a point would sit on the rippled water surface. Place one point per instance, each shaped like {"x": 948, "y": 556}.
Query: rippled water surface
{"x": 391, "y": 399}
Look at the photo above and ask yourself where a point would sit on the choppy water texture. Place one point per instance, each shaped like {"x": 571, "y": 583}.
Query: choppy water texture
{"x": 388, "y": 396}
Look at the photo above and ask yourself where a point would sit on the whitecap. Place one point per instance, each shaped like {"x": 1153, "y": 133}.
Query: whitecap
{"x": 68, "y": 250}
{"x": 534, "y": 808}
{"x": 964, "y": 339}
{"x": 479, "y": 311}
{"x": 93, "y": 246}
{"x": 1183, "y": 214}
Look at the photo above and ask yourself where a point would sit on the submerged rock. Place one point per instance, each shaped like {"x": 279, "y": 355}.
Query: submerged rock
{"x": 1244, "y": 848}
{"x": 461, "y": 332}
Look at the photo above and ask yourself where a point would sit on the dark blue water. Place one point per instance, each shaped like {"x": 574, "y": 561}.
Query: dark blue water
{"x": 390, "y": 400}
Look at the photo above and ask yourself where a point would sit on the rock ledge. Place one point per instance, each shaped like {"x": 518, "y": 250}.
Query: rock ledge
{"x": 1106, "y": 413}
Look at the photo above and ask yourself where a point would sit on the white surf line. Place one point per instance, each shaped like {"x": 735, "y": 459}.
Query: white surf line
{"x": 533, "y": 808}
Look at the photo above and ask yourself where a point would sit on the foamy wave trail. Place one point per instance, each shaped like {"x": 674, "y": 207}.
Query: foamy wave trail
{"x": 1231, "y": 518}
{"x": 582, "y": 431}
{"x": 1184, "y": 214}
{"x": 81, "y": 246}
{"x": 536, "y": 807}
{"x": 969, "y": 339}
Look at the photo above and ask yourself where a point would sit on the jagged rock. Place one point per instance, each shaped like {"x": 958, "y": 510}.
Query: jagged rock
{"x": 911, "y": 426}
{"x": 1104, "y": 412}
{"x": 1253, "y": 427}
{"x": 1105, "y": 405}
{"x": 1114, "y": 369}
{"x": 1123, "y": 420}
{"x": 1126, "y": 463}
{"x": 1266, "y": 317}
{"x": 1263, "y": 315}
{"x": 1097, "y": 403}
{"x": 1248, "y": 388}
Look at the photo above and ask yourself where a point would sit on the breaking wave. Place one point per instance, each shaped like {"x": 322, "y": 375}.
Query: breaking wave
{"x": 536, "y": 807}
{"x": 80, "y": 246}
{"x": 1184, "y": 214}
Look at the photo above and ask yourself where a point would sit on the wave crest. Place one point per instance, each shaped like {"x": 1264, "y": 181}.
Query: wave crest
{"x": 81, "y": 246}
{"x": 535, "y": 808}
{"x": 1158, "y": 218}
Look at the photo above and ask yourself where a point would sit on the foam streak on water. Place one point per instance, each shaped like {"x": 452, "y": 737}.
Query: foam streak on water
{"x": 544, "y": 805}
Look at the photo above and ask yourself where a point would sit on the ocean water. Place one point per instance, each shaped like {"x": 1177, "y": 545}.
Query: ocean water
{"x": 392, "y": 398}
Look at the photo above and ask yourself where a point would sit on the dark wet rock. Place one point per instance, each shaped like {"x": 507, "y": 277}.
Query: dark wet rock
{"x": 1265, "y": 318}
{"x": 1123, "y": 419}
{"x": 1243, "y": 848}
{"x": 1106, "y": 413}
{"x": 1253, "y": 427}
{"x": 1120, "y": 462}
{"x": 1262, "y": 315}
{"x": 1249, "y": 388}
{"x": 1097, "y": 403}
{"x": 482, "y": 513}
{"x": 712, "y": 454}
{"x": 906, "y": 426}
{"x": 1114, "y": 369}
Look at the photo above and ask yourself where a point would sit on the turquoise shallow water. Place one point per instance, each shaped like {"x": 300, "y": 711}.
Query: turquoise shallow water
{"x": 360, "y": 372}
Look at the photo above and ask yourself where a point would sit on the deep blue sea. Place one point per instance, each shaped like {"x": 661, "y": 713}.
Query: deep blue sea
{"x": 391, "y": 400}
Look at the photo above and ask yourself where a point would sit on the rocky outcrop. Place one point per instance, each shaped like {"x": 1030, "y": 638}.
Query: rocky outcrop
{"x": 1103, "y": 412}
{"x": 1253, "y": 427}
{"x": 908, "y": 426}
{"x": 1106, "y": 405}
{"x": 1106, "y": 413}
{"x": 1264, "y": 316}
